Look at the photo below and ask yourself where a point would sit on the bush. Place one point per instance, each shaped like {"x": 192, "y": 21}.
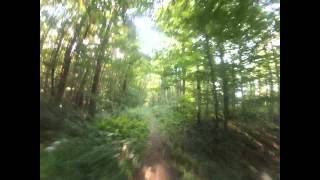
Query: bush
{"x": 58, "y": 121}
{"x": 99, "y": 152}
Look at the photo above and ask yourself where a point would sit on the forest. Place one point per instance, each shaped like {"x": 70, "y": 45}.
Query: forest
{"x": 159, "y": 89}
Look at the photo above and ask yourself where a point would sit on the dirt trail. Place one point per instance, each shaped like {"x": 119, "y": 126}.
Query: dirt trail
{"x": 155, "y": 163}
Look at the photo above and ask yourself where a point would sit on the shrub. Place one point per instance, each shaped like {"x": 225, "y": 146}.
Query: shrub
{"x": 98, "y": 153}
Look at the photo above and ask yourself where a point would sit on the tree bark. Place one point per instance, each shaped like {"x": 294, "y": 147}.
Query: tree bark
{"x": 100, "y": 53}
{"x": 184, "y": 81}
{"x": 213, "y": 76}
{"x": 44, "y": 37}
{"x": 243, "y": 106}
{"x": 234, "y": 86}
{"x": 55, "y": 59}
{"x": 75, "y": 41}
{"x": 271, "y": 95}
{"x": 80, "y": 94}
{"x": 224, "y": 87}
{"x": 198, "y": 107}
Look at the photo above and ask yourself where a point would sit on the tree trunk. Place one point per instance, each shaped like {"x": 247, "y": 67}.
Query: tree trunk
{"x": 184, "y": 81}
{"x": 94, "y": 88}
{"x": 213, "y": 77}
{"x": 44, "y": 37}
{"x": 271, "y": 95}
{"x": 277, "y": 75}
{"x": 277, "y": 69}
{"x": 80, "y": 94}
{"x": 207, "y": 99}
{"x": 224, "y": 87}
{"x": 55, "y": 59}
{"x": 259, "y": 86}
{"x": 67, "y": 62}
{"x": 234, "y": 86}
{"x": 243, "y": 106}
{"x": 177, "y": 80}
{"x": 76, "y": 69}
{"x": 75, "y": 41}
{"x": 198, "y": 107}
{"x": 100, "y": 53}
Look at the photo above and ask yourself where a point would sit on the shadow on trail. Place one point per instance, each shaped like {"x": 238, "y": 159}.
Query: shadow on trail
{"x": 155, "y": 164}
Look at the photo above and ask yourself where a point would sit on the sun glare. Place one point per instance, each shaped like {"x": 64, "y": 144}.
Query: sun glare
{"x": 150, "y": 39}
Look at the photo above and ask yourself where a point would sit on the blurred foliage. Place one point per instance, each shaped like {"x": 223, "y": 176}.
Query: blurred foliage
{"x": 98, "y": 153}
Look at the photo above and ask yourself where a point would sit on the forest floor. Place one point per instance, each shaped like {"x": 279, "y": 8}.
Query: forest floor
{"x": 251, "y": 151}
{"x": 256, "y": 156}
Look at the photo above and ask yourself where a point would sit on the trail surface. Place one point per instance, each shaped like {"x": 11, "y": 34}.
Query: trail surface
{"x": 155, "y": 164}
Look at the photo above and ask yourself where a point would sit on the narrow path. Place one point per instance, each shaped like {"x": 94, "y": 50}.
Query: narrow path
{"x": 155, "y": 163}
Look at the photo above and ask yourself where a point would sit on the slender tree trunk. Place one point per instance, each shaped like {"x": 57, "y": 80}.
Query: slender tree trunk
{"x": 46, "y": 82}
{"x": 271, "y": 95}
{"x": 75, "y": 41}
{"x": 277, "y": 69}
{"x": 198, "y": 107}
{"x": 55, "y": 59}
{"x": 44, "y": 37}
{"x": 76, "y": 67}
{"x": 184, "y": 81}
{"x": 207, "y": 99}
{"x": 234, "y": 86}
{"x": 67, "y": 62}
{"x": 177, "y": 80}
{"x": 277, "y": 75}
{"x": 259, "y": 86}
{"x": 125, "y": 81}
{"x": 224, "y": 87}
{"x": 100, "y": 53}
{"x": 213, "y": 76}
{"x": 252, "y": 88}
{"x": 243, "y": 106}
{"x": 94, "y": 88}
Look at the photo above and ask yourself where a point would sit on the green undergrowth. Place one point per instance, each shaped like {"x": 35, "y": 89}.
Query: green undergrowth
{"x": 108, "y": 148}
{"x": 59, "y": 121}
{"x": 199, "y": 151}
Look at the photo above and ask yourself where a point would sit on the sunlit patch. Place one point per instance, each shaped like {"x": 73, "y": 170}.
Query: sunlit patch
{"x": 252, "y": 168}
{"x": 147, "y": 172}
{"x": 50, "y": 148}
{"x": 275, "y": 146}
{"x": 118, "y": 54}
{"x": 238, "y": 94}
{"x": 249, "y": 65}
{"x": 265, "y": 176}
{"x": 96, "y": 39}
{"x": 217, "y": 61}
{"x": 68, "y": 88}
{"x": 259, "y": 144}
{"x": 41, "y": 90}
{"x": 150, "y": 39}
{"x": 155, "y": 172}
{"x": 272, "y": 8}
{"x": 124, "y": 147}
{"x": 85, "y": 42}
